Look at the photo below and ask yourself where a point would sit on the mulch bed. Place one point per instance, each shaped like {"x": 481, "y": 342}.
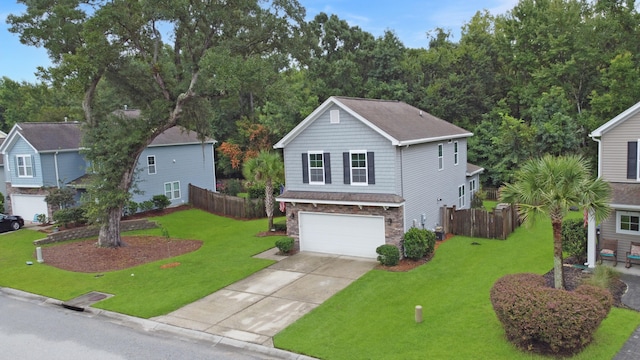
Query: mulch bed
{"x": 85, "y": 256}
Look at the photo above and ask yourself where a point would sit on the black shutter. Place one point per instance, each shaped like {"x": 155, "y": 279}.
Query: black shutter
{"x": 305, "y": 168}
{"x": 632, "y": 160}
{"x": 346, "y": 167}
{"x": 371, "y": 169}
{"x": 327, "y": 168}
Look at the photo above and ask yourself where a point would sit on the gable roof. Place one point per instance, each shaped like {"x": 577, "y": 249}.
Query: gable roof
{"x": 45, "y": 136}
{"x": 66, "y": 136}
{"x": 473, "y": 169}
{"x": 399, "y": 122}
{"x": 622, "y": 117}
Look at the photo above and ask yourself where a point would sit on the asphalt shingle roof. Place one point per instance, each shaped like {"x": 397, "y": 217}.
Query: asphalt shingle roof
{"x": 401, "y": 120}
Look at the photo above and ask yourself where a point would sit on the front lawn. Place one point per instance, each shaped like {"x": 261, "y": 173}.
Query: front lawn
{"x": 147, "y": 290}
{"x": 374, "y": 317}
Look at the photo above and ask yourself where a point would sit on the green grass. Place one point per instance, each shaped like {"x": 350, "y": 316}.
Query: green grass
{"x": 225, "y": 257}
{"x": 374, "y": 317}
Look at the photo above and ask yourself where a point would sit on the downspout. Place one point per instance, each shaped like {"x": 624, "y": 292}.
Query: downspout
{"x": 55, "y": 162}
{"x": 591, "y": 225}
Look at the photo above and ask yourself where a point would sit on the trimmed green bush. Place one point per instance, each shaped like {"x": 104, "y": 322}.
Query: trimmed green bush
{"x": 130, "y": 208}
{"x": 418, "y": 243}
{"x": 574, "y": 239}
{"x": 146, "y": 205}
{"x": 388, "y": 255}
{"x": 76, "y": 215}
{"x": 285, "y": 245}
{"x": 546, "y": 320}
{"x": 160, "y": 202}
{"x": 280, "y": 226}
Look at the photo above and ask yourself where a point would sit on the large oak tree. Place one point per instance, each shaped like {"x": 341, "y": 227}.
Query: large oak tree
{"x": 177, "y": 79}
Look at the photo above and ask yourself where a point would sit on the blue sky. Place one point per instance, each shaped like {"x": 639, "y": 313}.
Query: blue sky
{"x": 409, "y": 19}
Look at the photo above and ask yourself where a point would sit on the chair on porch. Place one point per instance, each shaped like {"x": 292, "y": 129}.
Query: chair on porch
{"x": 633, "y": 254}
{"x": 609, "y": 249}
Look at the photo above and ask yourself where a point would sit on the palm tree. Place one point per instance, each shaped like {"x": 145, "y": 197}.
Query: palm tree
{"x": 549, "y": 186}
{"x": 267, "y": 168}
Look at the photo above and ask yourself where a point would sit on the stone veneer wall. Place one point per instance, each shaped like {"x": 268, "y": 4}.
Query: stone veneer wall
{"x": 89, "y": 231}
{"x": 393, "y": 232}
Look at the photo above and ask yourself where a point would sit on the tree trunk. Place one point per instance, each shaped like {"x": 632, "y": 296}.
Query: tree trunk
{"x": 558, "y": 270}
{"x": 268, "y": 201}
{"x": 110, "y": 230}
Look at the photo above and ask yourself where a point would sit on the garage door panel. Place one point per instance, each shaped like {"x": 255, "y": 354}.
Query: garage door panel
{"x": 28, "y": 206}
{"x": 352, "y": 235}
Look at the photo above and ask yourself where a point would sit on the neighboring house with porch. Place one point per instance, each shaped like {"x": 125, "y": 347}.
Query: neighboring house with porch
{"x": 40, "y": 156}
{"x": 618, "y": 164}
{"x": 360, "y": 172}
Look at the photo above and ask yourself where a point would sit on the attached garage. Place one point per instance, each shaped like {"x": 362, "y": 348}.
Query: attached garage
{"x": 353, "y": 235}
{"x": 28, "y": 206}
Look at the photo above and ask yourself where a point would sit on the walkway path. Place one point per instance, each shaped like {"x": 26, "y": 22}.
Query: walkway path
{"x": 631, "y": 349}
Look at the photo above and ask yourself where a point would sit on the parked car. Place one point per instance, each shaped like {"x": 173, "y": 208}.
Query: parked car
{"x": 10, "y": 222}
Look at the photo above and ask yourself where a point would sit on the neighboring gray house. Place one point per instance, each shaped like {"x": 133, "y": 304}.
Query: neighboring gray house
{"x": 361, "y": 172}
{"x": 3, "y": 186}
{"x": 41, "y": 156}
{"x": 618, "y": 164}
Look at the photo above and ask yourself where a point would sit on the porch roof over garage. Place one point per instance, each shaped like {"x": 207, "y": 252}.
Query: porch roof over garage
{"x": 339, "y": 198}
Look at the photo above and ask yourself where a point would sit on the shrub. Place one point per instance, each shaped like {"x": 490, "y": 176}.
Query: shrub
{"x": 388, "y": 255}
{"x": 603, "y": 276}
{"x": 546, "y": 320}
{"x": 280, "y": 226}
{"x": 130, "y": 208}
{"x": 146, "y": 205}
{"x": 285, "y": 245}
{"x": 232, "y": 187}
{"x": 574, "y": 239}
{"x": 76, "y": 215}
{"x": 160, "y": 201}
{"x": 415, "y": 243}
{"x": 256, "y": 191}
{"x": 41, "y": 218}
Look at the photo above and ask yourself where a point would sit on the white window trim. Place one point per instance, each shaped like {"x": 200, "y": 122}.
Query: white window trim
{"x": 472, "y": 186}
{"x": 456, "y": 153}
{"x": 630, "y": 213}
{"x": 24, "y": 167}
{"x": 366, "y": 168}
{"x": 171, "y": 193}
{"x": 461, "y": 198}
{"x": 638, "y": 160}
{"x": 334, "y": 116}
{"x": 155, "y": 165}
{"x": 321, "y": 153}
{"x": 440, "y": 157}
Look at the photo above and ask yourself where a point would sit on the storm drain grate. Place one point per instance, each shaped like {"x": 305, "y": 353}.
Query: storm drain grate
{"x": 86, "y": 300}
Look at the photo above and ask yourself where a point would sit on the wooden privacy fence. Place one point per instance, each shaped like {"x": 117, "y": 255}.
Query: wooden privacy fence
{"x": 497, "y": 224}
{"x": 490, "y": 193}
{"x": 227, "y": 205}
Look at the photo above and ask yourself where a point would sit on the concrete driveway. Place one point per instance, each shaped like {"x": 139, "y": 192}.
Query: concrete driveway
{"x": 260, "y": 306}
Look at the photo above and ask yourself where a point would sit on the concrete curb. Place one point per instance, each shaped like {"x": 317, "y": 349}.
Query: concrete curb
{"x": 153, "y": 326}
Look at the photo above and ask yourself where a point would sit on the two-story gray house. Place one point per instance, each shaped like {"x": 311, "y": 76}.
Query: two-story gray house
{"x": 41, "y": 156}
{"x": 360, "y": 172}
{"x": 618, "y": 164}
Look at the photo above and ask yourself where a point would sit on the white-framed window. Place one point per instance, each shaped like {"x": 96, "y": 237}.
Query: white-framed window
{"x": 316, "y": 168}
{"x": 628, "y": 222}
{"x": 334, "y": 116}
{"x": 25, "y": 167}
{"x": 440, "y": 156}
{"x": 461, "y": 202}
{"x": 455, "y": 153}
{"x": 472, "y": 186}
{"x": 358, "y": 167}
{"x": 151, "y": 164}
{"x": 172, "y": 190}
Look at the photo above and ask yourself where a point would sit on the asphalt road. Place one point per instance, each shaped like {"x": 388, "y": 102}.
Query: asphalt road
{"x": 31, "y": 330}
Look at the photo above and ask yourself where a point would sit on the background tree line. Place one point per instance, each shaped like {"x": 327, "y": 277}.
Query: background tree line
{"x": 531, "y": 82}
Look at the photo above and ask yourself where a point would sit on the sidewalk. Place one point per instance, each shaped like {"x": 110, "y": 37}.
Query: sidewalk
{"x": 631, "y": 276}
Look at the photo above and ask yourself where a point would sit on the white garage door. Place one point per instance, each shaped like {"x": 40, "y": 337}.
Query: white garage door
{"x": 28, "y": 206}
{"x": 341, "y": 234}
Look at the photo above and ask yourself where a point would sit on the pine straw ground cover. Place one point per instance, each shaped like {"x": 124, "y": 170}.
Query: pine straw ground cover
{"x": 153, "y": 288}
{"x": 374, "y": 317}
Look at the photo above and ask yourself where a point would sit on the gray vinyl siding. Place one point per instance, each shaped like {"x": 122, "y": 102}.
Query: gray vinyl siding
{"x": 425, "y": 188}
{"x": 21, "y": 147}
{"x": 188, "y": 164}
{"x": 3, "y": 184}
{"x": 348, "y": 135}
{"x": 608, "y": 231}
{"x": 613, "y": 156}
{"x": 71, "y": 165}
